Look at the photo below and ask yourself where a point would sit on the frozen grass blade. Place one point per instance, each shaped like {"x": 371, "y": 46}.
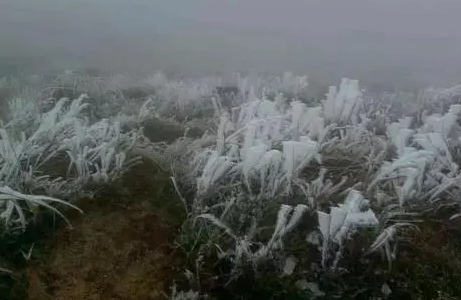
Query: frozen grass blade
{"x": 13, "y": 198}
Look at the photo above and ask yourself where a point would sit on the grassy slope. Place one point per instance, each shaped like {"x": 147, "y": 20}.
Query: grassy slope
{"x": 123, "y": 247}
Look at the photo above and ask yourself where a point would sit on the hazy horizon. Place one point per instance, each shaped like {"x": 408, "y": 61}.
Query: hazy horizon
{"x": 376, "y": 41}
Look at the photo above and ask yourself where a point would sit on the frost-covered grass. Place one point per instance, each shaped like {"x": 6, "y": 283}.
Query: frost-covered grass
{"x": 48, "y": 160}
{"x": 276, "y": 184}
{"x": 329, "y": 162}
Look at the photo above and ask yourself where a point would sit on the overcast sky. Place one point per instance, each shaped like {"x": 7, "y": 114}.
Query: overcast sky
{"x": 380, "y": 40}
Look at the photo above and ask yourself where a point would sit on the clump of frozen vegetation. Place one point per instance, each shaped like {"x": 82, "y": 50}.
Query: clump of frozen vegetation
{"x": 347, "y": 164}
{"x": 55, "y": 157}
{"x": 272, "y": 167}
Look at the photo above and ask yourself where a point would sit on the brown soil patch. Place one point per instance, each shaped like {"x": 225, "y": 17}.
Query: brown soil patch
{"x": 429, "y": 264}
{"x": 121, "y": 248}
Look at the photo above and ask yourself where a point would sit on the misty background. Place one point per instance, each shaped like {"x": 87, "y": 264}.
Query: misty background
{"x": 387, "y": 43}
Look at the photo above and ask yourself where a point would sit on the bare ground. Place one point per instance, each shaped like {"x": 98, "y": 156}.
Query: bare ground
{"x": 121, "y": 248}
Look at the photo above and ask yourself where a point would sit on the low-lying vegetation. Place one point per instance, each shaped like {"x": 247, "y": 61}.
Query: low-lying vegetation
{"x": 192, "y": 190}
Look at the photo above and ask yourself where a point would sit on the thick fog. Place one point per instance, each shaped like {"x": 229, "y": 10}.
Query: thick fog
{"x": 399, "y": 42}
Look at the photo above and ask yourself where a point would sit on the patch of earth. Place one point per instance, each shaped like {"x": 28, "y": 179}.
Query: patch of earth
{"x": 120, "y": 248}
